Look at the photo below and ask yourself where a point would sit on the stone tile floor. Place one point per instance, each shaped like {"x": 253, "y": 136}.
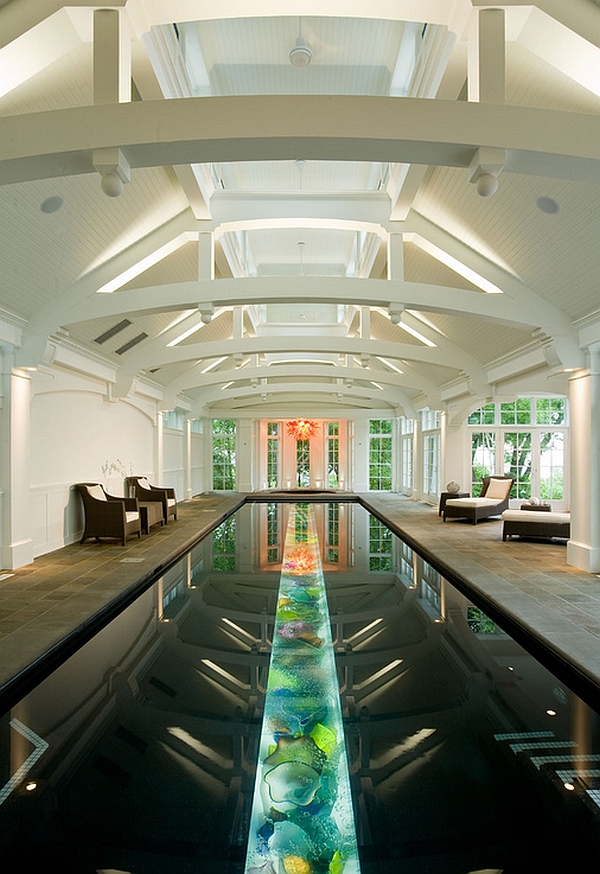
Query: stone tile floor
{"x": 528, "y": 580}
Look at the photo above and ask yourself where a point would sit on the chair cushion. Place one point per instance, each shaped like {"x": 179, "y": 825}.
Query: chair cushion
{"x": 498, "y": 489}
{"x": 131, "y": 515}
{"x": 171, "y": 502}
{"x": 472, "y": 502}
{"x": 97, "y": 492}
{"x": 143, "y": 482}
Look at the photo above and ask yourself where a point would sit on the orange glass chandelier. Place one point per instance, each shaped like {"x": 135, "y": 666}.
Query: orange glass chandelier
{"x": 302, "y": 429}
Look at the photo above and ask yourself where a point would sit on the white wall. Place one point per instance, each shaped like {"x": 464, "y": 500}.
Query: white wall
{"x": 75, "y": 430}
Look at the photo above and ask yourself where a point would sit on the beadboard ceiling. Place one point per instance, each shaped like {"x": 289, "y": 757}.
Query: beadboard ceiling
{"x": 295, "y": 220}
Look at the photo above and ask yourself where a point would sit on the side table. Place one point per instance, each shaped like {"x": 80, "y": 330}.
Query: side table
{"x": 445, "y": 496}
{"x": 151, "y": 513}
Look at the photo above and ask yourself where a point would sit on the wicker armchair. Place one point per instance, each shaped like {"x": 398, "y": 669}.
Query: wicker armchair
{"x": 492, "y": 501}
{"x": 108, "y": 515}
{"x": 144, "y": 492}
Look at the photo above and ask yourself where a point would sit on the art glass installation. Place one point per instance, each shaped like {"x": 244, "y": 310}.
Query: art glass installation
{"x": 302, "y": 820}
{"x": 302, "y": 429}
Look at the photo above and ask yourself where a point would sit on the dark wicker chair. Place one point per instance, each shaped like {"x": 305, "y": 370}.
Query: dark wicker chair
{"x": 144, "y": 492}
{"x": 492, "y": 501}
{"x": 108, "y": 515}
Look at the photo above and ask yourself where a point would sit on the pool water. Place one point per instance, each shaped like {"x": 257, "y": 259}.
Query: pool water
{"x": 139, "y": 754}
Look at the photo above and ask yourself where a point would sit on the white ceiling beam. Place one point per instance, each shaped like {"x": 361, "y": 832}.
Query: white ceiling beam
{"x": 288, "y": 289}
{"x": 137, "y": 359}
{"x": 390, "y": 397}
{"x": 205, "y": 129}
{"x": 193, "y": 380}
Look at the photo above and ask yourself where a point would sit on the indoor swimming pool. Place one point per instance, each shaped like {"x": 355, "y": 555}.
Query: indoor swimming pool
{"x": 301, "y": 694}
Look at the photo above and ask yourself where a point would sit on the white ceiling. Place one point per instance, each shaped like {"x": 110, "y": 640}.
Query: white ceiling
{"x": 302, "y": 247}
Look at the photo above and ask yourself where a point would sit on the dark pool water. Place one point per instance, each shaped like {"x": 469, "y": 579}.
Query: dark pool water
{"x": 139, "y": 753}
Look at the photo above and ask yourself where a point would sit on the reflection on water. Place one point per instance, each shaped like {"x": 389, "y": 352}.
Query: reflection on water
{"x": 139, "y": 754}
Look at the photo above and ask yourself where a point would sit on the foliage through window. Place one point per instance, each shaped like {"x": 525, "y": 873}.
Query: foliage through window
{"x": 380, "y": 546}
{"x": 223, "y": 454}
{"x": 272, "y": 455}
{"x": 303, "y": 463}
{"x": 272, "y": 533}
{"x": 333, "y": 455}
{"x": 380, "y": 454}
{"x": 333, "y": 533}
{"x": 519, "y": 446}
{"x": 224, "y": 546}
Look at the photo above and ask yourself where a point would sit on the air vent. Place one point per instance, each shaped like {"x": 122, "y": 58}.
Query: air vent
{"x": 112, "y": 331}
{"x": 127, "y": 346}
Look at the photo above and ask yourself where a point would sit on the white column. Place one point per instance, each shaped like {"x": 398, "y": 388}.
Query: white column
{"x": 244, "y": 455}
{"x": 159, "y": 449}
{"x": 187, "y": 460}
{"x": 486, "y": 58}
{"x": 361, "y": 455}
{"x": 418, "y": 459}
{"x": 112, "y": 58}
{"x": 583, "y": 549}
{"x": 17, "y": 544}
{"x": 396, "y": 456}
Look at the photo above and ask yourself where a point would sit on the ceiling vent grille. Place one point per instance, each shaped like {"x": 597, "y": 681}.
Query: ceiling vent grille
{"x": 120, "y": 326}
{"x": 127, "y": 346}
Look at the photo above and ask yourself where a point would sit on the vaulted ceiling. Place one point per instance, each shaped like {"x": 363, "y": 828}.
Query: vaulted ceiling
{"x": 254, "y": 213}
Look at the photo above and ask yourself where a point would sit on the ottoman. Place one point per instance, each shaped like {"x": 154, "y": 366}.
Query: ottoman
{"x": 535, "y": 524}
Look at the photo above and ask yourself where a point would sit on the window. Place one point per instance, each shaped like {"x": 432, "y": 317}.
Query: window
{"x": 173, "y": 419}
{"x": 431, "y": 443}
{"x": 483, "y": 458}
{"x": 333, "y": 533}
{"x": 520, "y": 444}
{"x": 380, "y": 454}
{"x": 272, "y": 455}
{"x": 272, "y": 533}
{"x": 301, "y": 523}
{"x": 380, "y": 546}
{"x": 431, "y": 464}
{"x": 552, "y": 465}
{"x": 302, "y": 463}
{"x": 224, "y": 546}
{"x": 407, "y": 427}
{"x": 223, "y": 458}
{"x": 333, "y": 455}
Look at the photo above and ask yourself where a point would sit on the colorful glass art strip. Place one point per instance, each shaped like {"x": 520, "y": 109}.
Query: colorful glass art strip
{"x": 302, "y": 819}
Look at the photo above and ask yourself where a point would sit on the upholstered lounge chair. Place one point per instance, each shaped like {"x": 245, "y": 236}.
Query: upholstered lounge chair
{"x": 492, "y": 501}
{"x": 108, "y": 515}
{"x": 144, "y": 492}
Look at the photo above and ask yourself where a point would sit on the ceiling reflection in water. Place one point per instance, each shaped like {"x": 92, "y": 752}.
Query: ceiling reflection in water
{"x": 465, "y": 754}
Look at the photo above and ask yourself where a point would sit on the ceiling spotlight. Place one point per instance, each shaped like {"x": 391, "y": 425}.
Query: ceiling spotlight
{"x": 300, "y": 55}
{"x": 487, "y": 184}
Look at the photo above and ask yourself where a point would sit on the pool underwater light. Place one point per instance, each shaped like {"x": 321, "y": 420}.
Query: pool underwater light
{"x": 302, "y": 820}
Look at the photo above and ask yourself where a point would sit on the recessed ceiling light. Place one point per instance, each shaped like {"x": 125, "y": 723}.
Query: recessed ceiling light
{"x": 51, "y": 204}
{"x": 547, "y": 205}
